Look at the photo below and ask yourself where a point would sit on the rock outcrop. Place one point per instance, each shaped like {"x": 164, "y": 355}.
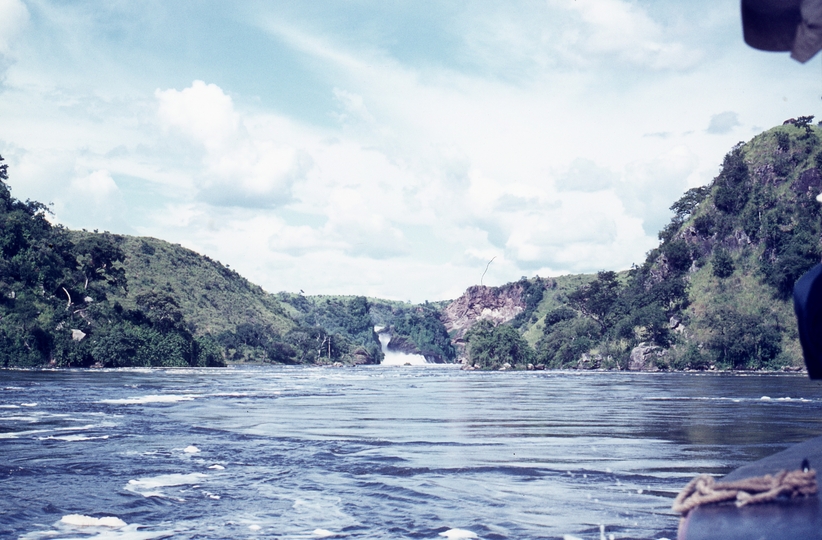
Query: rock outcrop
{"x": 402, "y": 344}
{"x": 497, "y": 304}
{"x": 643, "y": 357}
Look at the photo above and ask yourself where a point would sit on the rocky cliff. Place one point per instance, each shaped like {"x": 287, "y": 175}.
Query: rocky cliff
{"x": 496, "y": 304}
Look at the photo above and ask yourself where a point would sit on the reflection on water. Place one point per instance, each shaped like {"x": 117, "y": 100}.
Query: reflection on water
{"x": 375, "y": 452}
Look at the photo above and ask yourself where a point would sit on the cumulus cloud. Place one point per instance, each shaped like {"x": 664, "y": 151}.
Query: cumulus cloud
{"x": 93, "y": 201}
{"x": 723, "y": 123}
{"x": 238, "y": 168}
{"x": 588, "y": 230}
{"x": 201, "y": 111}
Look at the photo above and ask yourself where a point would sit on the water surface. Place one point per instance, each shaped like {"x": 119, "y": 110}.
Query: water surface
{"x": 376, "y": 452}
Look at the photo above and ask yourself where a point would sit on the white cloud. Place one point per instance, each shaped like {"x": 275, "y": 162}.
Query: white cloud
{"x": 93, "y": 201}
{"x": 550, "y": 135}
{"x": 201, "y": 111}
{"x": 651, "y": 187}
{"x": 13, "y": 19}
{"x": 97, "y": 186}
{"x": 723, "y": 123}
{"x": 239, "y": 169}
{"x": 625, "y": 30}
{"x": 585, "y": 175}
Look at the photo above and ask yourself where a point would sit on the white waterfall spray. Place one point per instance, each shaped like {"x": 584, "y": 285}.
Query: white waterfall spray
{"x": 396, "y": 358}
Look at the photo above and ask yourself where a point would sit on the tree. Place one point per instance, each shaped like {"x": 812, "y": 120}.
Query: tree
{"x": 686, "y": 205}
{"x": 97, "y": 256}
{"x": 161, "y": 309}
{"x": 743, "y": 341}
{"x": 723, "y": 264}
{"x": 599, "y": 300}
{"x": 732, "y": 188}
{"x": 493, "y": 346}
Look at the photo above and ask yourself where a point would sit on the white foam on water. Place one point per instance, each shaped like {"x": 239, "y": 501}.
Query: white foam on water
{"x": 191, "y": 449}
{"x": 322, "y": 533}
{"x": 570, "y": 537}
{"x": 79, "y": 520}
{"x": 458, "y": 534}
{"x": 18, "y": 434}
{"x": 393, "y": 358}
{"x": 99, "y": 531}
{"x": 28, "y": 404}
{"x": 765, "y": 398}
{"x": 73, "y": 438}
{"x": 217, "y": 467}
{"x": 254, "y": 527}
{"x": 153, "y": 398}
{"x": 150, "y": 486}
{"x": 9, "y": 406}
{"x": 22, "y": 418}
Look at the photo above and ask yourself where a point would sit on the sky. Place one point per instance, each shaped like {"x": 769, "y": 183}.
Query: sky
{"x": 388, "y": 149}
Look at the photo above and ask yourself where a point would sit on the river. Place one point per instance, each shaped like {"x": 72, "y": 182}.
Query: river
{"x": 425, "y": 452}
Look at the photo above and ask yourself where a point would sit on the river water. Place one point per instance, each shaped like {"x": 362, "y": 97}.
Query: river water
{"x": 375, "y": 452}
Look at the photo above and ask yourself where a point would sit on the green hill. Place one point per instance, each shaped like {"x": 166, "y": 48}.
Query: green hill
{"x": 715, "y": 293}
{"x": 213, "y": 298}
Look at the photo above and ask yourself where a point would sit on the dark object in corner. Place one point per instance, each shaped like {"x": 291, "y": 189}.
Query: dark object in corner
{"x": 807, "y": 302}
{"x": 783, "y": 25}
{"x": 782, "y": 519}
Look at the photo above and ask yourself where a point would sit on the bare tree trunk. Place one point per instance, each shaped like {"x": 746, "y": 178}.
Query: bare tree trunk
{"x": 69, "y": 298}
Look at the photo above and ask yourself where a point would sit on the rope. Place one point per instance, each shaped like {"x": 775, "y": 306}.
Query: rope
{"x": 705, "y": 490}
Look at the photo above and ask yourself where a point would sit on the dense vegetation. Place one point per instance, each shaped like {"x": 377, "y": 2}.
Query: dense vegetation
{"x": 715, "y": 292}
{"x": 494, "y": 347}
{"x": 341, "y": 326}
{"x": 422, "y": 326}
{"x": 56, "y": 304}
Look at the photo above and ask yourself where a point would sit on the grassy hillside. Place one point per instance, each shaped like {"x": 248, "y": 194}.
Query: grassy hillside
{"x": 552, "y": 299}
{"x": 59, "y": 301}
{"x": 716, "y": 291}
{"x": 213, "y": 298}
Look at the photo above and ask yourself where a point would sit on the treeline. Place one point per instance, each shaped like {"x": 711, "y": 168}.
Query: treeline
{"x": 332, "y": 329}
{"x": 714, "y": 293}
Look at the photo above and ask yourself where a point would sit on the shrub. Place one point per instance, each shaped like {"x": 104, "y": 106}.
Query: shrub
{"x": 723, "y": 264}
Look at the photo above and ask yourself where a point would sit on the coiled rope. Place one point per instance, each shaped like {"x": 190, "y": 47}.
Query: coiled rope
{"x": 705, "y": 490}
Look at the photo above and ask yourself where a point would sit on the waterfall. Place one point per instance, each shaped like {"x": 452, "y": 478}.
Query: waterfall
{"x": 396, "y": 358}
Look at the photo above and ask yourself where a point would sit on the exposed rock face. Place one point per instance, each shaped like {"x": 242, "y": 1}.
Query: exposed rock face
{"x": 402, "y": 344}
{"x": 498, "y": 304}
{"x": 361, "y": 356}
{"x": 643, "y": 356}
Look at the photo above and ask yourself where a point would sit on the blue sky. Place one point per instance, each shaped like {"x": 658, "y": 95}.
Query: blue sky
{"x": 384, "y": 148}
